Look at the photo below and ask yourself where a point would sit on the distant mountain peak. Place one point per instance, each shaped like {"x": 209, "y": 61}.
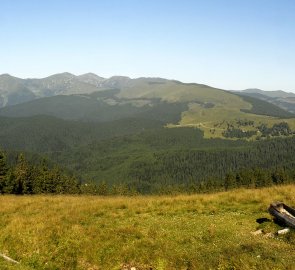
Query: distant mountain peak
{"x": 8, "y": 76}
{"x": 62, "y": 75}
{"x": 117, "y": 81}
{"x": 90, "y": 74}
{"x": 5, "y": 75}
{"x": 253, "y": 90}
{"x": 273, "y": 94}
{"x": 117, "y": 77}
{"x": 91, "y": 78}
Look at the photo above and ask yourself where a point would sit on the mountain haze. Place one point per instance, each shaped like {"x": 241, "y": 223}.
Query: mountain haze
{"x": 89, "y": 97}
{"x": 146, "y": 133}
{"x": 284, "y": 100}
{"x": 271, "y": 94}
{"x": 15, "y": 90}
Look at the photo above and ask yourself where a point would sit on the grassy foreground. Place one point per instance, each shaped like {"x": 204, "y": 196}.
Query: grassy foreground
{"x": 182, "y": 232}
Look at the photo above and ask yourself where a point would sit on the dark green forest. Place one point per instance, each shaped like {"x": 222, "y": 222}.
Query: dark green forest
{"x": 83, "y": 144}
{"x": 265, "y": 108}
{"x": 26, "y": 178}
{"x": 150, "y": 161}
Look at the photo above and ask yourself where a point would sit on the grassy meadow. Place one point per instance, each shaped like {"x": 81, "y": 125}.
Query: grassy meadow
{"x": 217, "y": 118}
{"x": 208, "y": 231}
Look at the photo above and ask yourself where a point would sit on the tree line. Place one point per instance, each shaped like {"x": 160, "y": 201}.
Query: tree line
{"x": 25, "y": 178}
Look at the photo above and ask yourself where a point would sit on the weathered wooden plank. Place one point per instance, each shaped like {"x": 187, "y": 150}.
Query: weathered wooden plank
{"x": 8, "y": 258}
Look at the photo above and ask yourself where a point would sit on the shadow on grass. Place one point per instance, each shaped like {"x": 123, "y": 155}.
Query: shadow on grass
{"x": 262, "y": 220}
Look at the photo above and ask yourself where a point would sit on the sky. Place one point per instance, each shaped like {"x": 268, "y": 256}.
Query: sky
{"x": 229, "y": 44}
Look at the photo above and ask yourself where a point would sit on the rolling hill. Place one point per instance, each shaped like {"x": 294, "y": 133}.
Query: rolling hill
{"x": 91, "y": 98}
{"x": 42, "y": 134}
{"x": 271, "y": 94}
{"x": 145, "y": 133}
{"x": 284, "y": 100}
{"x": 142, "y": 154}
{"x": 98, "y": 107}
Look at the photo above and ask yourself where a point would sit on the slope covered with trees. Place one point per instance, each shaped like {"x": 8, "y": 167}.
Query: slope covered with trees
{"x": 154, "y": 159}
{"x": 149, "y": 164}
{"x": 26, "y": 178}
{"x": 142, "y": 135}
{"x": 265, "y": 108}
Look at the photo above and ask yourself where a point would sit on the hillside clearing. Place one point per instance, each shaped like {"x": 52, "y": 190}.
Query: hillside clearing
{"x": 182, "y": 232}
{"x": 214, "y": 121}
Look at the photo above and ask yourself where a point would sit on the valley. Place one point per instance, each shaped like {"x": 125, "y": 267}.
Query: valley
{"x": 136, "y": 135}
{"x": 147, "y": 133}
{"x": 176, "y": 104}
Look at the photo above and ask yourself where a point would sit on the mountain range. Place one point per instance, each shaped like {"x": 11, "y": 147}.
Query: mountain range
{"x": 147, "y": 132}
{"x": 89, "y": 97}
{"x": 15, "y": 90}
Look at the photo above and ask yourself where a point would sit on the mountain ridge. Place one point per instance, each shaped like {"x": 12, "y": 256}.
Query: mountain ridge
{"x": 12, "y": 88}
{"x": 272, "y": 93}
{"x": 282, "y": 99}
{"x": 15, "y": 90}
{"x": 88, "y": 97}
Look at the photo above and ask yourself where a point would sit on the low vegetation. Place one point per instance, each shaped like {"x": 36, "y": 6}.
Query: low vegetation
{"x": 210, "y": 231}
{"x": 152, "y": 137}
{"x": 232, "y": 120}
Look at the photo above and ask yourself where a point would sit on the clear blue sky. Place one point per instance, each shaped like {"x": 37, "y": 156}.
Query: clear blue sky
{"x": 231, "y": 44}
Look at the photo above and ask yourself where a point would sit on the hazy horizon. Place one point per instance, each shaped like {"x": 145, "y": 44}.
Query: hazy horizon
{"x": 225, "y": 44}
{"x": 25, "y": 78}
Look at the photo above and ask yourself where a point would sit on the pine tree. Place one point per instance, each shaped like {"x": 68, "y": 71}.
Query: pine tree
{"x": 40, "y": 174}
{"x": 279, "y": 176}
{"x": 23, "y": 176}
{"x": 229, "y": 181}
{"x": 102, "y": 188}
{"x": 3, "y": 172}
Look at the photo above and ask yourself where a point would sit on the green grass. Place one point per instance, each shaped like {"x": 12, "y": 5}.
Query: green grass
{"x": 173, "y": 91}
{"x": 182, "y": 232}
{"x": 171, "y": 103}
{"x": 213, "y": 121}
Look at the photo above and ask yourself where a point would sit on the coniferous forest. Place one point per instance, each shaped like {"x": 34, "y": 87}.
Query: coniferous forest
{"x": 139, "y": 136}
{"x": 147, "y": 135}
{"x": 156, "y": 161}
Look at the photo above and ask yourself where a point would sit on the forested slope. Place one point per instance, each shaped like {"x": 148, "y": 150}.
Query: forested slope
{"x": 145, "y": 135}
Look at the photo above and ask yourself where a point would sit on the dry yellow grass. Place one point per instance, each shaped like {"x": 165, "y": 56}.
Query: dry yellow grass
{"x": 182, "y": 232}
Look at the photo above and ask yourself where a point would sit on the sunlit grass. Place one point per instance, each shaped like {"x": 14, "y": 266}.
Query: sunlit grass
{"x": 218, "y": 118}
{"x": 182, "y": 232}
